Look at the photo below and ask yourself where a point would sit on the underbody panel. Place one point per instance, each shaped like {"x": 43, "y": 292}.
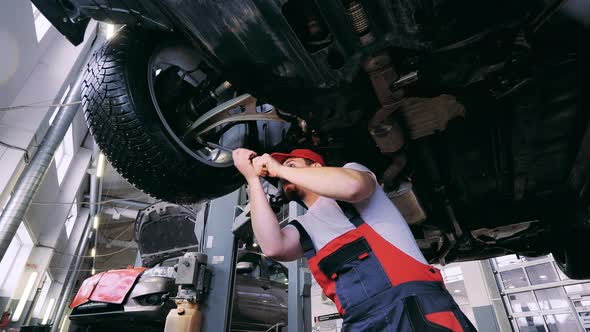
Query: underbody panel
{"x": 477, "y": 108}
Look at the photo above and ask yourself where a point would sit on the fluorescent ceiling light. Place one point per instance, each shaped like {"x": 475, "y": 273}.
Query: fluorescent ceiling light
{"x": 110, "y": 31}
{"x": 48, "y": 311}
{"x": 100, "y": 165}
{"x": 25, "y": 296}
{"x": 63, "y": 322}
{"x": 95, "y": 223}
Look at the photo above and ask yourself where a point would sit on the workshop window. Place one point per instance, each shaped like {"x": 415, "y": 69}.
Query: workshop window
{"x": 65, "y": 151}
{"x": 541, "y": 273}
{"x": 9, "y": 258}
{"x": 561, "y": 323}
{"x": 552, "y": 298}
{"x": 42, "y": 24}
{"x": 513, "y": 279}
{"x": 71, "y": 219}
{"x": 523, "y": 302}
{"x": 14, "y": 261}
{"x": 579, "y": 288}
{"x": 64, "y": 155}
{"x": 37, "y": 312}
{"x": 581, "y": 304}
{"x": 531, "y": 324}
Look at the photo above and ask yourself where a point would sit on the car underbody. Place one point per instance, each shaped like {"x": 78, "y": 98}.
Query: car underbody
{"x": 472, "y": 113}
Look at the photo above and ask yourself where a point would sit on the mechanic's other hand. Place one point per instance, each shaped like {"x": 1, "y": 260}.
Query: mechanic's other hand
{"x": 259, "y": 167}
{"x": 243, "y": 162}
{"x": 266, "y": 165}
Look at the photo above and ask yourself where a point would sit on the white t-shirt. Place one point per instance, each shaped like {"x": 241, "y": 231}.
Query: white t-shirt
{"x": 325, "y": 221}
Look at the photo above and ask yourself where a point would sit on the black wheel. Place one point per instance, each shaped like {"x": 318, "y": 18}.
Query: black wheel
{"x": 137, "y": 130}
{"x": 570, "y": 221}
{"x": 571, "y": 253}
{"x": 76, "y": 328}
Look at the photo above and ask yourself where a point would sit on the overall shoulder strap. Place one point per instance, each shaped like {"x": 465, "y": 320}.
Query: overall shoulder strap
{"x": 351, "y": 213}
{"x": 304, "y": 240}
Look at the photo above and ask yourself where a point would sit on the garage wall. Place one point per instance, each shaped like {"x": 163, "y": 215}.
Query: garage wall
{"x": 483, "y": 295}
{"x": 32, "y": 72}
{"x": 20, "y": 50}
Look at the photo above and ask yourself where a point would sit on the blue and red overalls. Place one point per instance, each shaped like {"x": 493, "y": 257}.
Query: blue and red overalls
{"x": 378, "y": 287}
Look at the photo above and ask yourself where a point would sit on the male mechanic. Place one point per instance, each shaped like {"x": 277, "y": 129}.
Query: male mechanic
{"x": 359, "y": 248}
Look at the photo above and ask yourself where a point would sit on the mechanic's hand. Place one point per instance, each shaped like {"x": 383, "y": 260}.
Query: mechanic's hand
{"x": 243, "y": 162}
{"x": 259, "y": 167}
{"x": 266, "y": 165}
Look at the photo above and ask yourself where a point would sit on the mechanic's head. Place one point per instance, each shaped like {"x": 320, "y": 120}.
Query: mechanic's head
{"x": 297, "y": 158}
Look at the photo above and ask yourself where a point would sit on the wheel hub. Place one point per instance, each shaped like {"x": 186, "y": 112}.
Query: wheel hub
{"x": 192, "y": 110}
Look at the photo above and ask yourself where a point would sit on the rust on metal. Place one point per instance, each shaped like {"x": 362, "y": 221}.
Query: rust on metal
{"x": 426, "y": 116}
{"x": 384, "y": 129}
{"x": 407, "y": 203}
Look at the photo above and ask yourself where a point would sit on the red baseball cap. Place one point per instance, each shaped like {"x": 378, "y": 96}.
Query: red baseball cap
{"x": 299, "y": 153}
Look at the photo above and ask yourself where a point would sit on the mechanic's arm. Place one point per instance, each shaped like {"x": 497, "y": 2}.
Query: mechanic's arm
{"x": 341, "y": 184}
{"x": 275, "y": 243}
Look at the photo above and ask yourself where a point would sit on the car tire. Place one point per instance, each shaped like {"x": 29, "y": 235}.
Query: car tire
{"x": 126, "y": 126}
{"x": 571, "y": 254}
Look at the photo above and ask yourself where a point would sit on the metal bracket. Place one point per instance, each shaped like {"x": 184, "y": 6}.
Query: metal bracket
{"x": 193, "y": 277}
{"x": 241, "y": 108}
{"x": 242, "y": 226}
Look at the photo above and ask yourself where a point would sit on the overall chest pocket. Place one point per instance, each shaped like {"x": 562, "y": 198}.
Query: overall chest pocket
{"x": 357, "y": 272}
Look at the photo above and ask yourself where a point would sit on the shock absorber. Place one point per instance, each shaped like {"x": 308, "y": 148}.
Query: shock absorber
{"x": 204, "y": 102}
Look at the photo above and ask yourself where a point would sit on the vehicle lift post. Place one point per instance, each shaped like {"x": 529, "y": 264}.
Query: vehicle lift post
{"x": 219, "y": 257}
{"x": 192, "y": 277}
{"x": 299, "y": 289}
{"x": 206, "y": 279}
{"x": 221, "y": 247}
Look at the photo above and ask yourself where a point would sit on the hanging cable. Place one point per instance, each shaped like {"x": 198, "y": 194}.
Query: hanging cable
{"x": 37, "y": 105}
{"x": 14, "y": 147}
{"x": 89, "y": 203}
{"x": 85, "y": 270}
{"x": 90, "y": 256}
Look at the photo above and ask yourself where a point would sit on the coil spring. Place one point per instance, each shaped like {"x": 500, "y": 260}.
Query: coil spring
{"x": 358, "y": 17}
{"x": 202, "y": 104}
